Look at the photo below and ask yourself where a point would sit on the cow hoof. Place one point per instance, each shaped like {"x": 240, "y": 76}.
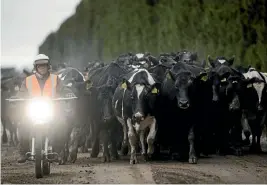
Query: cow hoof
{"x": 145, "y": 157}
{"x": 124, "y": 150}
{"x": 238, "y": 152}
{"x": 192, "y": 160}
{"x": 93, "y": 155}
{"x": 105, "y": 159}
{"x": 221, "y": 152}
{"x": 73, "y": 157}
{"x": 133, "y": 160}
{"x": 246, "y": 142}
{"x": 61, "y": 161}
{"x": 115, "y": 156}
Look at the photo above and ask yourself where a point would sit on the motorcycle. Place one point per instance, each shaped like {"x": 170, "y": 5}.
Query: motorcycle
{"x": 41, "y": 112}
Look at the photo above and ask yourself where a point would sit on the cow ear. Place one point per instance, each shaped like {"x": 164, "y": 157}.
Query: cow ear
{"x": 211, "y": 61}
{"x": 231, "y": 61}
{"x": 194, "y": 56}
{"x": 125, "y": 84}
{"x": 203, "y": 76}
{"x": 170, "y": 75}
{"x": 88, "y": 84}
{"x": 203, "y": 63}
{"x": 155, "y": 88}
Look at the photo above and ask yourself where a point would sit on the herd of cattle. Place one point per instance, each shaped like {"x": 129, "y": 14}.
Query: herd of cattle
{"x": 153, "y": 104}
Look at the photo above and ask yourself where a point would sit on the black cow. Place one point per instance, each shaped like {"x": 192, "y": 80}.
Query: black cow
{"x": 133, "y": 104}
{"x": 229, "y": 85}
{"x": 10, "y": 113}
{"x": 103, "y": 84}
{"x": 180, "y": 89}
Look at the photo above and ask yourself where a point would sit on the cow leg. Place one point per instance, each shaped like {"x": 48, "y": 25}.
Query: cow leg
{"x": 73, "y": 145}
{"x": 124, "y": 145}
{"x": 11, "y": 138}
{"x": 106, "y": 155}
{"x": 143, "y": 147}
{"x": 85, "y": 145}
{"x": 113, "y": 139}
{"x": 4, "y": 136}
{"x": 16, "y": 137}
{"x": 253, "y": 147}
{"x": 258, "y": 143}
{"x": 246, "y": 128}
{"x": 151, "y": 138}
{"x": 132, "y": 141}
{"x": 192, "y": 153}
{"x": 95, "y": 147}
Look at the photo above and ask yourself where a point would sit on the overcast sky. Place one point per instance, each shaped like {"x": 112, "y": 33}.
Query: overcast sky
{"x": 26, "y": 23}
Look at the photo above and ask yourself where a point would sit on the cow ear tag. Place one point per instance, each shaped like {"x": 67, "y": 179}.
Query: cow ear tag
{"x": 88, "y": 85}
{"x": 123, "y": 85}
{"x": 154, "y": 90}
{"x": 168, "y": 76}
{"x": 223, "y": 80}
{"x": 204, "y": 78}
{"x": 249, "y": 85}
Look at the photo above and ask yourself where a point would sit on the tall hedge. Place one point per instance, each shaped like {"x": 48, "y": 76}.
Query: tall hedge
{"x": 104, "y": 29}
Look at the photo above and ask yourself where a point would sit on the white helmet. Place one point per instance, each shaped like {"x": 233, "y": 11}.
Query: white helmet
{"x": 41, "y": 59}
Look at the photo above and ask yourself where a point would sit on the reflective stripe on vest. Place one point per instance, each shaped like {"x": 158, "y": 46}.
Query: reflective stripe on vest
{"x": 34, "y": 88}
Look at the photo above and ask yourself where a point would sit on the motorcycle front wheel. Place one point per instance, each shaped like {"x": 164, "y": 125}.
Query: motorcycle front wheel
{"x": 39, "y": 157}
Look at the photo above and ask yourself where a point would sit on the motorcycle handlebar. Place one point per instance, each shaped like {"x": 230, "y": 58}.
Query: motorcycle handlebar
{"x": 54, "y": 99}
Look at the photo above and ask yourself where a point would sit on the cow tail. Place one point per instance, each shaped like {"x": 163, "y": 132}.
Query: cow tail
{"x": 4, "y": 136}
{"x": 122, "y": 115}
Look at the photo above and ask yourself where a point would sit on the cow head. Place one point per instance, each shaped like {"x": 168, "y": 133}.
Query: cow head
{"x": 185, "y": 83}
{"x": 227, "y": 85}
{"x": 187, "y": 57}
{"x": 103, "y": 96}
{"x": 256, "y": 89}
{"x": 143, "y": 97}
{"x": 221, "y": 61}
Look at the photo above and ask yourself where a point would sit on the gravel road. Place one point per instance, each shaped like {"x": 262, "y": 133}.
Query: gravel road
{"x": 214, "y": 169}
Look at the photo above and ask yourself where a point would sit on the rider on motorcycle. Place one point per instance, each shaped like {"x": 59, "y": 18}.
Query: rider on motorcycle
{"x": 42, "y": 83}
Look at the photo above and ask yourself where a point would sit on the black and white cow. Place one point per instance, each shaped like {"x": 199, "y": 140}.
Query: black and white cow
{"x": 133, "y": 104}
{"x": 255, "y": 109}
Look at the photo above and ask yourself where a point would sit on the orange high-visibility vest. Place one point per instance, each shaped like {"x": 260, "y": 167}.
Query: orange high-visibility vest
{"x": 34, "y": 88}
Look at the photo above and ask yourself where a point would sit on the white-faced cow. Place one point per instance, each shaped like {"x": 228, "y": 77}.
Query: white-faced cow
{"x": 255, "y": 109}
{"x": 133, "y": 104}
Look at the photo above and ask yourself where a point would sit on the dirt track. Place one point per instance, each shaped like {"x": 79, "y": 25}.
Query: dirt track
{"x": 215, "y": 169}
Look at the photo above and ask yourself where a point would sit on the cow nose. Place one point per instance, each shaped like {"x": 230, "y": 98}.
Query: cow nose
{"x": 106, "y": 118}
{"x": 260, "y": 108}
{"x": 215, "y": 98}
{"x": 138, "y": 116}
{"x": 184, "y": 104}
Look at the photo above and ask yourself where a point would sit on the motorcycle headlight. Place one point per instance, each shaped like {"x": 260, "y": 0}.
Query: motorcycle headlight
{"x": 40, "y": 111}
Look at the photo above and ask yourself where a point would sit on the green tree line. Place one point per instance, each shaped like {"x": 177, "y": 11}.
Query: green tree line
{"x": 102, "y": 30}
